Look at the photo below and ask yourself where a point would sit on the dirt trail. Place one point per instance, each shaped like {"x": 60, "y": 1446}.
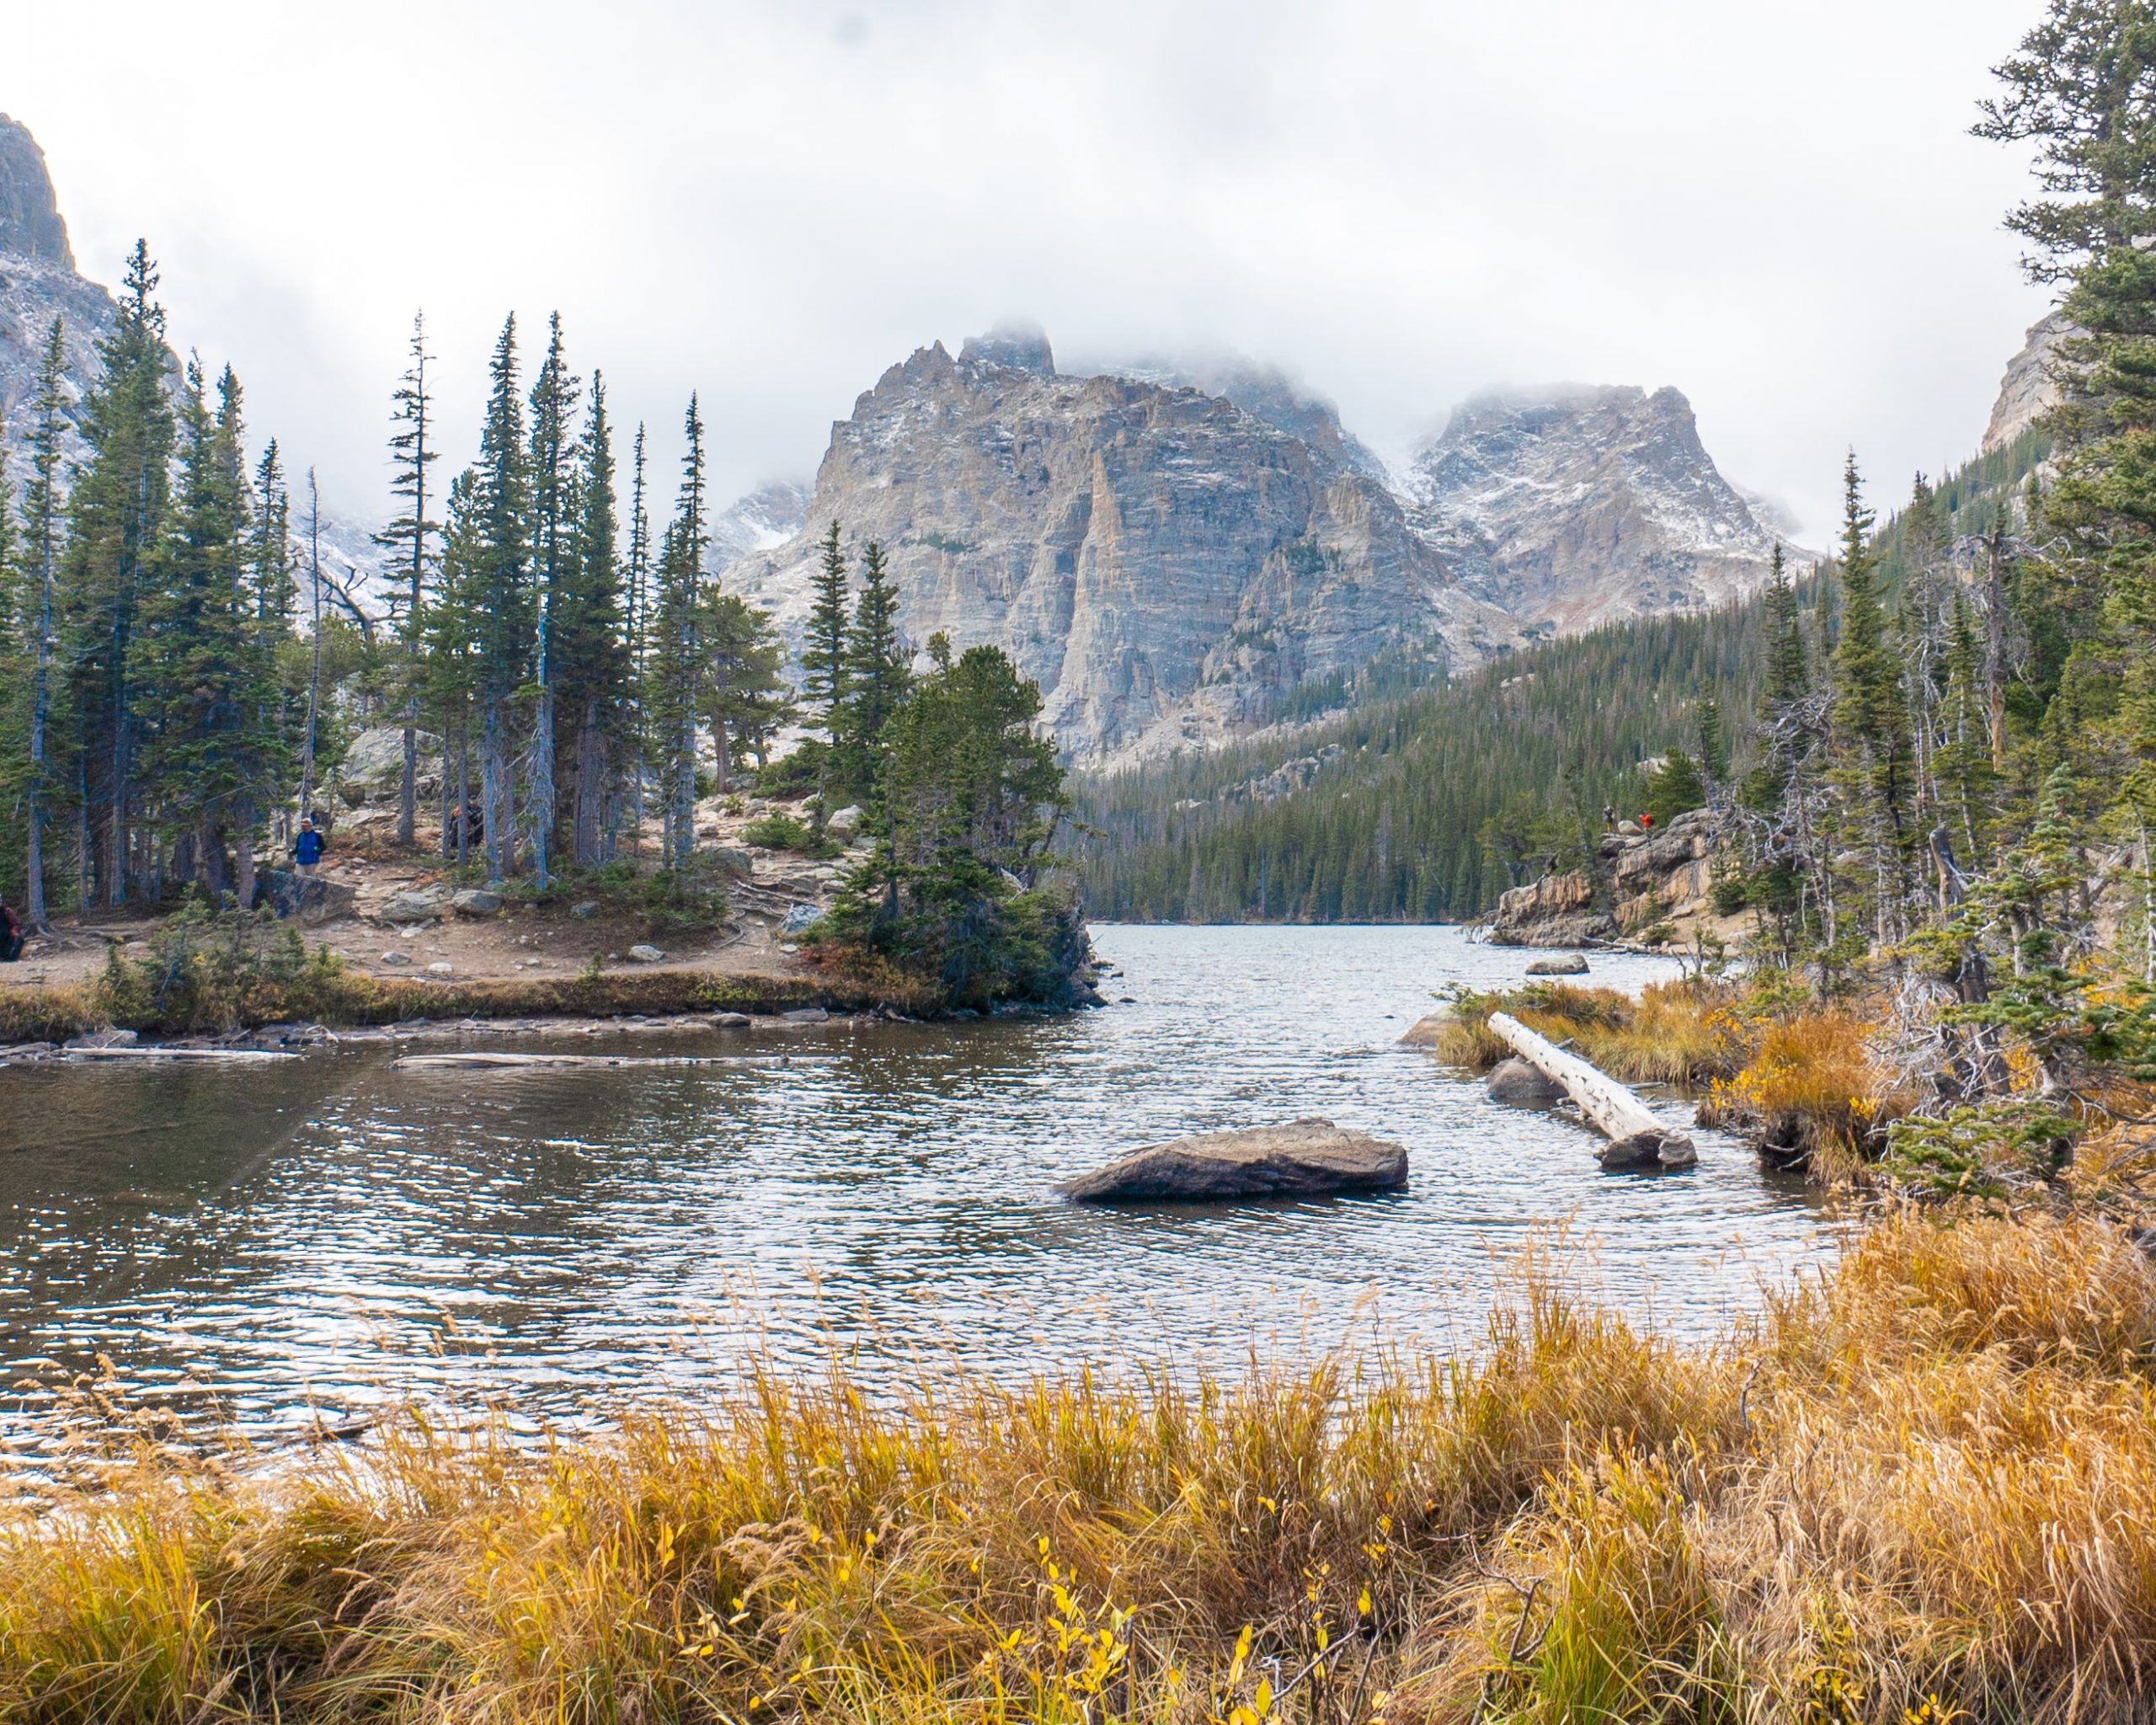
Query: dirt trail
{"x": 522, "y": 941}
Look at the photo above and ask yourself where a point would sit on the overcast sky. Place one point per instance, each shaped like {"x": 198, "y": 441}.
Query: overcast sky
{"x": 1777, "y": 209}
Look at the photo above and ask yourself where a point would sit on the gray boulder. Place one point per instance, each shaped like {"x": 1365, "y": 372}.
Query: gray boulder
{"x": 1304, "y": 1158}
{"x": 845, "y": 823}
{"x": 736, "y": 864}
{"x": 103, "y": 1038}
{"x": 646, "y": 954}
{"x": 1645, "y": 1151}
{"x": 1518, "y": 1085}
{"x": 1572, "y": 965}
{"x": 476, "y": 901}
{"x": 422, "y": 904}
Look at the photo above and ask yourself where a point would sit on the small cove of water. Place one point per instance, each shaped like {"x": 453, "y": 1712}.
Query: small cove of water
{"x": 333, "y": 1233}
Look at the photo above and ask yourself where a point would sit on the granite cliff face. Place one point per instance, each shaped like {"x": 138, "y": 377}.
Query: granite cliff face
{"x": 1574, "y": 507}
{"x": 2027, "y": 392}
{"x": 38, "y": 283}
{"x": 1165, "y": 563}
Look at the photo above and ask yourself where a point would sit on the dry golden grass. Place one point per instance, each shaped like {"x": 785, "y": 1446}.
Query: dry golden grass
{"x": 1926, "y": 1480}
{"x": 1809, "y": 1086}
{"x": 1677, "y": 1033}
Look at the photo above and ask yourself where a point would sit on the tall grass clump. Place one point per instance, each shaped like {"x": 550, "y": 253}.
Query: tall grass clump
{"x": 1921, "y": 1485}
{"x": 1680, "y": 1032}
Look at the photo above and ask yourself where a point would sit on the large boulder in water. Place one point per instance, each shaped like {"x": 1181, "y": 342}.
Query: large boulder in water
{"x": 1572, "y": 965}
{"x": 1518, "y": 1085}
{"x": 1303, "y": 1159}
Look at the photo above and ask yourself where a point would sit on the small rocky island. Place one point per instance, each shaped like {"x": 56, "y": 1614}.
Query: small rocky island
{"x": 1311, "y": 1158}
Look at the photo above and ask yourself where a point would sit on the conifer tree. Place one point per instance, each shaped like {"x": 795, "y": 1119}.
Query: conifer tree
{"x": 638, "y": 574}
{"x": 1871, "y": 721}
{"x": 746, "y": 694}
{"x": 40, "y": 556}
{"x": 824, "y": 677}
{"x": 592, "y": 635}
{"x": 409, "y": 538}
{"x": 454, "y": 644}
{"x": 876, "y": 676}
{"x": 505, "y": 610}
{"x": 117, "y": 513}
{"x": 551, "y": 469}
{"x": 677, "y": 671}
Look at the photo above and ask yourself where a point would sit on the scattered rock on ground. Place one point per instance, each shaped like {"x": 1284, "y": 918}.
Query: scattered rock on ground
{"x": 396, "y": 958}
{"x": 416, "y": 905}
{"x": 588, "y": 910}
{"x": 476, "y": 901}
{"x": 729, "y": 861}
{"x": 441, "y": 968}
{"x": 798, "y": 917}
{"x": 1518, "y": 1085}
{"x": 1572, "y": 965}
{"x": 1309, "y": 1157}
{"x": 644, "y": 954}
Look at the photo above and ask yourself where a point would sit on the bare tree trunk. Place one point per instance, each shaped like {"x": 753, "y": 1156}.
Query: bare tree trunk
{"x": 1995, "y": 649}
{"x": 314, "y": 678}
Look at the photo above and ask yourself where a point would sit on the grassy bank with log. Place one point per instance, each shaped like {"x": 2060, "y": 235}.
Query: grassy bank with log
{"x": 1920, "y": 1487}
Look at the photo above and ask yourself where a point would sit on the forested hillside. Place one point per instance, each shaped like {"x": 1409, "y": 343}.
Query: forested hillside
{"x": 1425, "y": 806}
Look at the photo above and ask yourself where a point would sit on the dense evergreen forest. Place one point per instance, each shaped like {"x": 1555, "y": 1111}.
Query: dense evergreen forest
{"x": 175, "y": 687}
{"x": 1426, "y": 805}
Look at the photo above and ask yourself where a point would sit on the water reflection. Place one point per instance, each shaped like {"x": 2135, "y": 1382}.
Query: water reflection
{"x": 332, "y": 1231}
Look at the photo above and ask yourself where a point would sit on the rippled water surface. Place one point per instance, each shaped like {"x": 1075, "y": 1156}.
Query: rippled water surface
{"x": 331, "y": 1231}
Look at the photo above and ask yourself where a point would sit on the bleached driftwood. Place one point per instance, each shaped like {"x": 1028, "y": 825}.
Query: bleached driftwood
{"x": 443, "y": 1062}
{"x": 1637, "y": 1140}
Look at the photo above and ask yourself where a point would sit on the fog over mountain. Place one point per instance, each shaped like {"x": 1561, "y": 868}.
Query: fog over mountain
{"x": 1403, "y": 205}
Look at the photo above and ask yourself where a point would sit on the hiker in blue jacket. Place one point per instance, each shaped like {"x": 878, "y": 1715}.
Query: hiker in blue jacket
{"x": 307, "y": 849}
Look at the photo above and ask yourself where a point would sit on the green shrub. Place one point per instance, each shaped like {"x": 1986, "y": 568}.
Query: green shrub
{"x": 785, "y": 832}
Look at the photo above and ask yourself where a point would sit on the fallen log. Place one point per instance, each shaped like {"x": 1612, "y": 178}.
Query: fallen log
{"x": 410, "y": 1063}
{"x": 1637, "y": 1139}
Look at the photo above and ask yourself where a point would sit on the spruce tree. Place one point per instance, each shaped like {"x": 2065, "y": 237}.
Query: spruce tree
{"x": 824, "y": 677}
{"x": 409, "y": 539}
{"x": 41, "y": 542}
{"x": 116, "y": 515}
{"x": 454, "y": 642}
{"x": 592, "y": 636}
{"x": 639, "y": 576}
{"x": 678, "y": 671}
{"x": 1870, "y": 722}
{"x": 876, "y": 676}
{"x": 551, "y": 470}
{"x": 505, "y": 610}
{"x": 747, "y": 697}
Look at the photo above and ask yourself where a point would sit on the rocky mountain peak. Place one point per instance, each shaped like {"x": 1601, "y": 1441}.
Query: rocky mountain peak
{"x": 30, "y": 224}
{"x": 1015, "y": 348}
{"x": 1576, "y": 504}
{"x": 1165, "y": 565}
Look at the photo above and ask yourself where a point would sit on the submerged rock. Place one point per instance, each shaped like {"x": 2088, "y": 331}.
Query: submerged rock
{"x": 1518, "y": 1085}
{"x": 1304, "y": 1158}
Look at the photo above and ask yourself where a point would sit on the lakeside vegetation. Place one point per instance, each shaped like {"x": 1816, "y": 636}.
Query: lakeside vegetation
{"x": 1918, "y": 1488}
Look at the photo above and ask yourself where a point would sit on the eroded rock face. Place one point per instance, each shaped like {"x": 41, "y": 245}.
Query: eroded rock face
{"x": 2027, "y": 392}
{"x": 38, "y": 283}
{"x": 1306, "y": 1158}
{"x": 1165, "y": 563}
{"x": 1557, "y": 910}
{"x": 1574, "y": 507}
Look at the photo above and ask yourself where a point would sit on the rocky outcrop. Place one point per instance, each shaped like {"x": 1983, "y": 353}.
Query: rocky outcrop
{"x": 2028, "y": 391}
{"x": 763, "y": 520}
{"x": 1574, "y": 507}
{"x": 1639, "y": 882}
{"x": 1557, "y": 910}
{"x": 1306, "y": 1158}
{"x": 1165, "y": 563}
